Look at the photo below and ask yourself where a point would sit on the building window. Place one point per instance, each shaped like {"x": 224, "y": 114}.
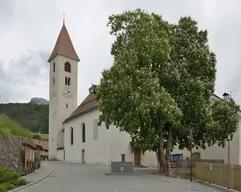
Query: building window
{"x": 95, "y": 130}
{"x": 67, "y": 105}
{"x": 66, "y": 80}
{"x": 53, "y": 81}
{"x": 54, "y": 67}
{"x": 71, "y": 136}
{"x": 176, "y": 157}
{"x": 83, "y": 132}
{"x": 67, "y": 67}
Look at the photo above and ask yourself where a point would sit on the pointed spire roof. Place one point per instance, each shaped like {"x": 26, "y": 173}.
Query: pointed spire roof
{"x": 64, "y": 46}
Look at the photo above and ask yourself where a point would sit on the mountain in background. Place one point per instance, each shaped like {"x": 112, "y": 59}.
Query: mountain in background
{"x": 33, "y": 116}
{"x": 39, "y": 101}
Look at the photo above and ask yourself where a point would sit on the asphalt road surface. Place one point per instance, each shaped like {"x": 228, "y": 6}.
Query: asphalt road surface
{"x": 74, "y": 177}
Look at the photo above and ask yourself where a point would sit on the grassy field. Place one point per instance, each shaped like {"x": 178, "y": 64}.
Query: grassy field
{"x": 9, "y": 127}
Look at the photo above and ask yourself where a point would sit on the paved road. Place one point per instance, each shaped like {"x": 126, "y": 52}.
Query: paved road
{"x": 73, "y": 177}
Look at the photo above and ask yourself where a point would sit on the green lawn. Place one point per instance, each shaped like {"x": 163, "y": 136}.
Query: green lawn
{"x": 10, "y": 127}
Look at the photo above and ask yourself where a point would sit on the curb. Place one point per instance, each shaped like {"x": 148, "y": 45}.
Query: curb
{"x": 216, "y": 186}
{"x": 35, "y": 182}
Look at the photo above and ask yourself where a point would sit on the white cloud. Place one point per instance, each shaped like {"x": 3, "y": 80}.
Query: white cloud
{"x": 29, "y": 30}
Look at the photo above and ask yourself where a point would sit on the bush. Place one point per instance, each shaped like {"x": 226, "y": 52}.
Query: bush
{"x": 6, "y": 186}
{"x": 21, "y": 181}
{"x": 7, "y": 175}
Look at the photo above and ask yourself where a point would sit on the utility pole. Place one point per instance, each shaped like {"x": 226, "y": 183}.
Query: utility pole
{"x": 228, "y": 149}
{"x": 190, "y": 154}
{"x": 229, "y": 160}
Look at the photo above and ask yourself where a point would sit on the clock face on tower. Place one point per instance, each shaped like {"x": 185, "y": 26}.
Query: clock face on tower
{"x": 67, "y": 92}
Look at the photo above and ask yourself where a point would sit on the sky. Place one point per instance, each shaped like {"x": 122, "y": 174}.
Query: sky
{"x": 29, "y": 30}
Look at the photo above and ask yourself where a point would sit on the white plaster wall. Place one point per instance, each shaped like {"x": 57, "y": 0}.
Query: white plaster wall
{"x": 218, "y": 153}
{"x": 58, "y": 111}
{"x": 60, "y": 155}
{"x": 95, "y": 150}
{"x": 110, "y": 144}
{"x": 119, "y": 144}
{"x": 149, "y": 159}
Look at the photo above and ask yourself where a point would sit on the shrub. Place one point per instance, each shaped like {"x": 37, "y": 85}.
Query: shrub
{"x": 7, "y": 175}
{"x": 6, "y": 186}
{"x": 21, "y": 181}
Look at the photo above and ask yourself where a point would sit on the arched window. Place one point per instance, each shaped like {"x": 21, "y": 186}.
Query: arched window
{"x": 68, "y": 81}
{"x": 67, "y": 67}
{"x": 71, "y": 135}
{"x": 54, "y": 67}
{"x": 83, "y": 132}
{"x": 95, "y": 130}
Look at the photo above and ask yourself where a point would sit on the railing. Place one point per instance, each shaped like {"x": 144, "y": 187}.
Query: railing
{"x": 220, "y": 174}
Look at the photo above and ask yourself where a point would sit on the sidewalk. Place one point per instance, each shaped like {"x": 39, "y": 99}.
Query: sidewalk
{"x": 44, "y": 171}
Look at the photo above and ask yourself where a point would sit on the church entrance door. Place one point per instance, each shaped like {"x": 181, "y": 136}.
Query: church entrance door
{"x": 83, "y": 156}
{"x": 137, "y": 157}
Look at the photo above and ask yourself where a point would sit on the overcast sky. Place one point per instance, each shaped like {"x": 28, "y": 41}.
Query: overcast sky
{"x": 29, "y": 29}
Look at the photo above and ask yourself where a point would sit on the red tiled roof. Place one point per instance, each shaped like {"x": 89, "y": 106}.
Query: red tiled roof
{"x": 90, "y": 103}
{"x": 64, "y": 46}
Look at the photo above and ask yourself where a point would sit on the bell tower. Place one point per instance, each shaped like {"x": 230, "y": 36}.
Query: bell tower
{"x": 63, "y": 84}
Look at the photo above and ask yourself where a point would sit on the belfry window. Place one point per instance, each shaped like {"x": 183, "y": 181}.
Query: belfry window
{"x": 67, "y": 67}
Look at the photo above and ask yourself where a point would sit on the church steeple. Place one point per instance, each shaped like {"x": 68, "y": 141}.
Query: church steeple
{"x": 64, "y": 46}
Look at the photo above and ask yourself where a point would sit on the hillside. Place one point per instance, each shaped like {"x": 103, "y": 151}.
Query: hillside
{"x": 9, "y": 127}
{"x": 34, "y": 117}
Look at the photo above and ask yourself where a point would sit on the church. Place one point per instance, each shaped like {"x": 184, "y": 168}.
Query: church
{"x": 73, "y": 132}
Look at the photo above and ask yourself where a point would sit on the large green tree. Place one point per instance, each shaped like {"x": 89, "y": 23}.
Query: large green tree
{"x": 160, "y": 85}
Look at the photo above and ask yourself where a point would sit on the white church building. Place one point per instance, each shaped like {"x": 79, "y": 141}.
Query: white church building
{"x": 73, "y": 132}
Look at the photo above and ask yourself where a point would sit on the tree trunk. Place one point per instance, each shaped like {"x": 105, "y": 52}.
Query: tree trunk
{"x": 158, "y": 156}
{"x": 168, "y": 149}
{"x": 162, "y": 155}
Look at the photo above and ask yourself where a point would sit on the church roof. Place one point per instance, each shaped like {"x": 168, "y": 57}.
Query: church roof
{"x": 64, "y": 46}
{"x": 89, "y": 104}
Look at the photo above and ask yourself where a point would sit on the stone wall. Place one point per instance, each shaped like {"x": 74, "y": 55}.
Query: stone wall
{"x": 12, "y": 152}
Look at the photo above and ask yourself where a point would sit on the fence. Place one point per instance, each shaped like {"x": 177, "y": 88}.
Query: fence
{"x": 220, "y": 174}
{"x": 187, "y": 164}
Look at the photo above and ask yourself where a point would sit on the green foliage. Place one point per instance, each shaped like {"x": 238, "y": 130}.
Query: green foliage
{"x": 159, "y": 87}
{"x": 9, "y": 179}
{"x": 9, "y": 127}
{"x": 31, "y": 116}
{"x": 7, "y": 175}
{"x": 131, "y": 96}
{"x": 36, "y": 136}
{"x": 225, "y": 120}
{"x": 6, "y": 186}
{"x": 21, "y": 181}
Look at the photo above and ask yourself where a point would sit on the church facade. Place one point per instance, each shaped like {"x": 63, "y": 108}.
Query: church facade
{"x": 73, "y": 132}
{"x": 87, "y": 142}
